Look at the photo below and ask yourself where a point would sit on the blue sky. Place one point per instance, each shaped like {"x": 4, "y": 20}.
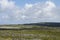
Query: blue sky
{"x": 22, "y": 2}
{"x": 29, "y": 11}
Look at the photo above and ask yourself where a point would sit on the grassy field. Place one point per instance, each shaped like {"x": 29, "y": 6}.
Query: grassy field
{"x": 41, "y": 33}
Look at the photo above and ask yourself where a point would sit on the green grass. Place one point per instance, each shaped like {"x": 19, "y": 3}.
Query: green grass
{"x": 43, "y": 34}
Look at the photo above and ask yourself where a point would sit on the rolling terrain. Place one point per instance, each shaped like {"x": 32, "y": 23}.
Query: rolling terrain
{"x": 34, "y": 31}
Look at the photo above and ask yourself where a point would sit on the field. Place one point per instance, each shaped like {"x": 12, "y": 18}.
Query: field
{"x": 31, "y": 33}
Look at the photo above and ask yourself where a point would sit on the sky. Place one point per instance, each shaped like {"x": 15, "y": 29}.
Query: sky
{"x": 29, "y": 11}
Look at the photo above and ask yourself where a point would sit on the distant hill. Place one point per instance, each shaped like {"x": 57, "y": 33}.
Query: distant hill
{"x": 29, "y": 26}
{"x": 49, "y": 24}
{"x": 52, "y": 24}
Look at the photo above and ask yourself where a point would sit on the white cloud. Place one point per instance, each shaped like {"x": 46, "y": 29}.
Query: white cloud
{"x": 37, "y": 12}
{"x": 7, "y": 4}
{"x": 27, "y": 6}
{"x": 5, "y": 17}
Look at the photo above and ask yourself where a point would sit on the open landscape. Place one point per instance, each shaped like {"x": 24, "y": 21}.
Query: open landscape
{"x": 29, "y": 32}
{"x": 29, "y": 19}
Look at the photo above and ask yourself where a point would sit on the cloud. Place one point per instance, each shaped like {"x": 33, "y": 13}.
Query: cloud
{"x": 7, "y": 4}
{"x": 27, "y": 6}
{"x": 38, "y": 12}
